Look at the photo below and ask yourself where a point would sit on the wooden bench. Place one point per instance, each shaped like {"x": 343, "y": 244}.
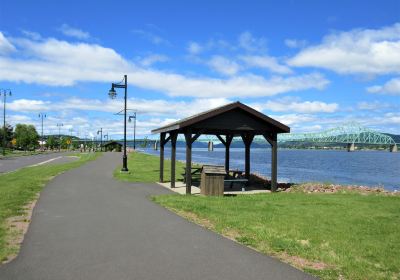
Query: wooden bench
{"x": 196, "y": 173}
{"x": 243, "y": 182}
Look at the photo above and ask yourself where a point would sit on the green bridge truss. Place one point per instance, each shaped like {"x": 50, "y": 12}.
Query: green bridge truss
{"x": 345, "y": 134}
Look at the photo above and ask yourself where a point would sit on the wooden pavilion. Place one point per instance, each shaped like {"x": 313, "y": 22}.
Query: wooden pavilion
{"x": 226, "y": 122}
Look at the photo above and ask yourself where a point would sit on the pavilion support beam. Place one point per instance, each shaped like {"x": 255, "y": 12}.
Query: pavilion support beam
{"x": 174, "y": 136}
{"x": 227, "y": 143}
{"x": 272, "y": 139}
{"x": 189, "y": 141}
{"x": 247, "y": 140}
{"x": 162, "y": 140}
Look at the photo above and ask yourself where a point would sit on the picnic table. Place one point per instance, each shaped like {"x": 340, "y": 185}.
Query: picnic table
{"x": 195, "y": 171}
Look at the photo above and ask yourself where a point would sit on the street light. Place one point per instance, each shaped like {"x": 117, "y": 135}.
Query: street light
{"x": 59, "y": 125}
{"x": 134, "y": 129}
{"x": 101, "y": 138}
{"x": 4, "y": 92}
{"x": 42, "y": 116}
{"x": 113, "y": 94}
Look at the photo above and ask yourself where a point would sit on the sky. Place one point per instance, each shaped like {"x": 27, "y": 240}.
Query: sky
{"x": 312, "y": 65}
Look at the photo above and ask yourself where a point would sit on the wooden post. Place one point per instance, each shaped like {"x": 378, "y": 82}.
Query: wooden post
{"x": 188, "y": 138}
{"x": 227, "y": 143}
{"x": 227, "y": 146}
{"x": 247, "y": 139}
{"x": 174, "y": 136}
{"x": 274, "y": 163}
{"x": 272, "y": 140}
{"x": 162, "y": 140}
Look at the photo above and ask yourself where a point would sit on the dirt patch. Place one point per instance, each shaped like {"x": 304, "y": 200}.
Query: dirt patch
{"x": 303, "y": 263}
{"x": 17, "y": 227}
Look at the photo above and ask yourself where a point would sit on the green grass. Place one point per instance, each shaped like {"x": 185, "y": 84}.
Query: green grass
{"x": 357, "y": 236}
{"x": 146, "y": 168}
{"x": 20, "y": 187}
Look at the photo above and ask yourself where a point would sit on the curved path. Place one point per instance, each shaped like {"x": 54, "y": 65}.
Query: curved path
{"x": 88, "y": 226}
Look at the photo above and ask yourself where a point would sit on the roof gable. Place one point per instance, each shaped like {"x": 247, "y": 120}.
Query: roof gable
{"x": 235, "y": 117}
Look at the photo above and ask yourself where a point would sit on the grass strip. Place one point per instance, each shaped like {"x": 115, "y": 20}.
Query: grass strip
{"x": 145, "y": 168}
{"x": 21, "y": 187}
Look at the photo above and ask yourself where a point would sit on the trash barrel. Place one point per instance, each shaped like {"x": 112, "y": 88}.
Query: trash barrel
{"x": 212, "y": 180}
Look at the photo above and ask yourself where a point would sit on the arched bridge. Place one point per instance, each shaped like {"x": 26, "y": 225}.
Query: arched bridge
{"x": 350, "y": 134}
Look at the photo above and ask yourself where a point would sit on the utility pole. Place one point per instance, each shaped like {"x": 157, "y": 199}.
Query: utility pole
{"x": 42, "y": 116}
{"x": 4, "y": 92}
{"x": 101, "y": 138}
{"x": 59, "y": 125}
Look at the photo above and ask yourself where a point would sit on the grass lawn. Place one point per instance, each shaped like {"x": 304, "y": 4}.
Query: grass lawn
{"x": 146, "y": 168}
{"x": 19, "y": 188}
{"x": 329, "y": 235}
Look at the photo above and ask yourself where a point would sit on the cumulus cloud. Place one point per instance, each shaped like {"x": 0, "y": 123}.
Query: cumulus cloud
{"x": 223, "y": 65}
{"x": 152, "y": 59}
{"x": 5, "y": 45}
{"x": 59, "y": 63}
{"x": 250, "y": 43}
{"x": 150, "y": 36}
{"x": 267, "y": 62}
{"x": 293, "y": 43}
{"x": 289, "y": 105}
{"x": 392, "y": 87}
{"x": 74, "y": 32}
{"x": 359, "y": 51}
{"x": 194, "y": 48}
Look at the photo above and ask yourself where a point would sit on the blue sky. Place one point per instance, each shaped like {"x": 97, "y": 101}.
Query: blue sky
{"x": 312, "y": 65}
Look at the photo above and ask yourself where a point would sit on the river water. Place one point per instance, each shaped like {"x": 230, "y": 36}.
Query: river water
{"x": 366, "y": 168}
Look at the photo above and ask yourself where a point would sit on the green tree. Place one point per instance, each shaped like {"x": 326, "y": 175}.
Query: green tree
{"x": 26, "y": 136}
{"x": 9, "y": 134}
{"x": 51, "y": 142}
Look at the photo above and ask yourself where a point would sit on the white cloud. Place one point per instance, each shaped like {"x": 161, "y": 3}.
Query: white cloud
{"x": 33, "y": 35}
{"x": 74, "y": 32}
{"x": 5, "y": 45}
{"x": 250, "y": 43}
{"x": 294, "y": 44}
{"x": 152, "y": 59}
{"x": 290, "y": 105}
{"x": 372, "y": 106}
{"x": 28, "y": 105}
{"x": 223, "y": 65}
{"x": 292, "y": 119}
{"x": 153, "y": 38}
{"x": 359, "y": 51}
{"x": 59, "y": 63}
{"x": 392, "y": 87}
{"x": 194, "y": 48}
{"x": 267, "y": 62}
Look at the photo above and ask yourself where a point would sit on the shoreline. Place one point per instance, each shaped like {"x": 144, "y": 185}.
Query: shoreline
{"x": 310, "y": 186}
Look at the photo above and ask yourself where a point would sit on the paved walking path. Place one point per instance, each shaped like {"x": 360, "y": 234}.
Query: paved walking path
{"x": 88, "y": 226}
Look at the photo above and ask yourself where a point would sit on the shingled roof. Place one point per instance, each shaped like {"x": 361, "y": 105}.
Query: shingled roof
{"x": 223, "y": 119}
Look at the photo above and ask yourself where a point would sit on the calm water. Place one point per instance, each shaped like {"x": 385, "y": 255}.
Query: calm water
{"x": 368, "y": 168}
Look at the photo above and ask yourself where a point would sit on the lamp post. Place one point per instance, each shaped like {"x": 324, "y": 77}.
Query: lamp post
{"x": 4, "y": 92}
{"x": 101, "y": 138}
{"x": 42, "y": 116}
{"x": 134, "y": 129}
{"x": 112, "y": 93}
{"x": 59, "y": 125}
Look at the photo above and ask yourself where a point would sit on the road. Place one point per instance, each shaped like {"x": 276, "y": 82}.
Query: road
{"x": 88, "y": 226}
{"x": 14, "y": 163}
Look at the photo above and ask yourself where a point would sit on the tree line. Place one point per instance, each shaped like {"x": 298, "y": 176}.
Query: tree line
{"x": 25, "y": 137}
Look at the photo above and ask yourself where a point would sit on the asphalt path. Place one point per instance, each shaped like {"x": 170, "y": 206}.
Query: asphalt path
{"x": 88, "y": 226}
{"x": 13, "y": 163}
